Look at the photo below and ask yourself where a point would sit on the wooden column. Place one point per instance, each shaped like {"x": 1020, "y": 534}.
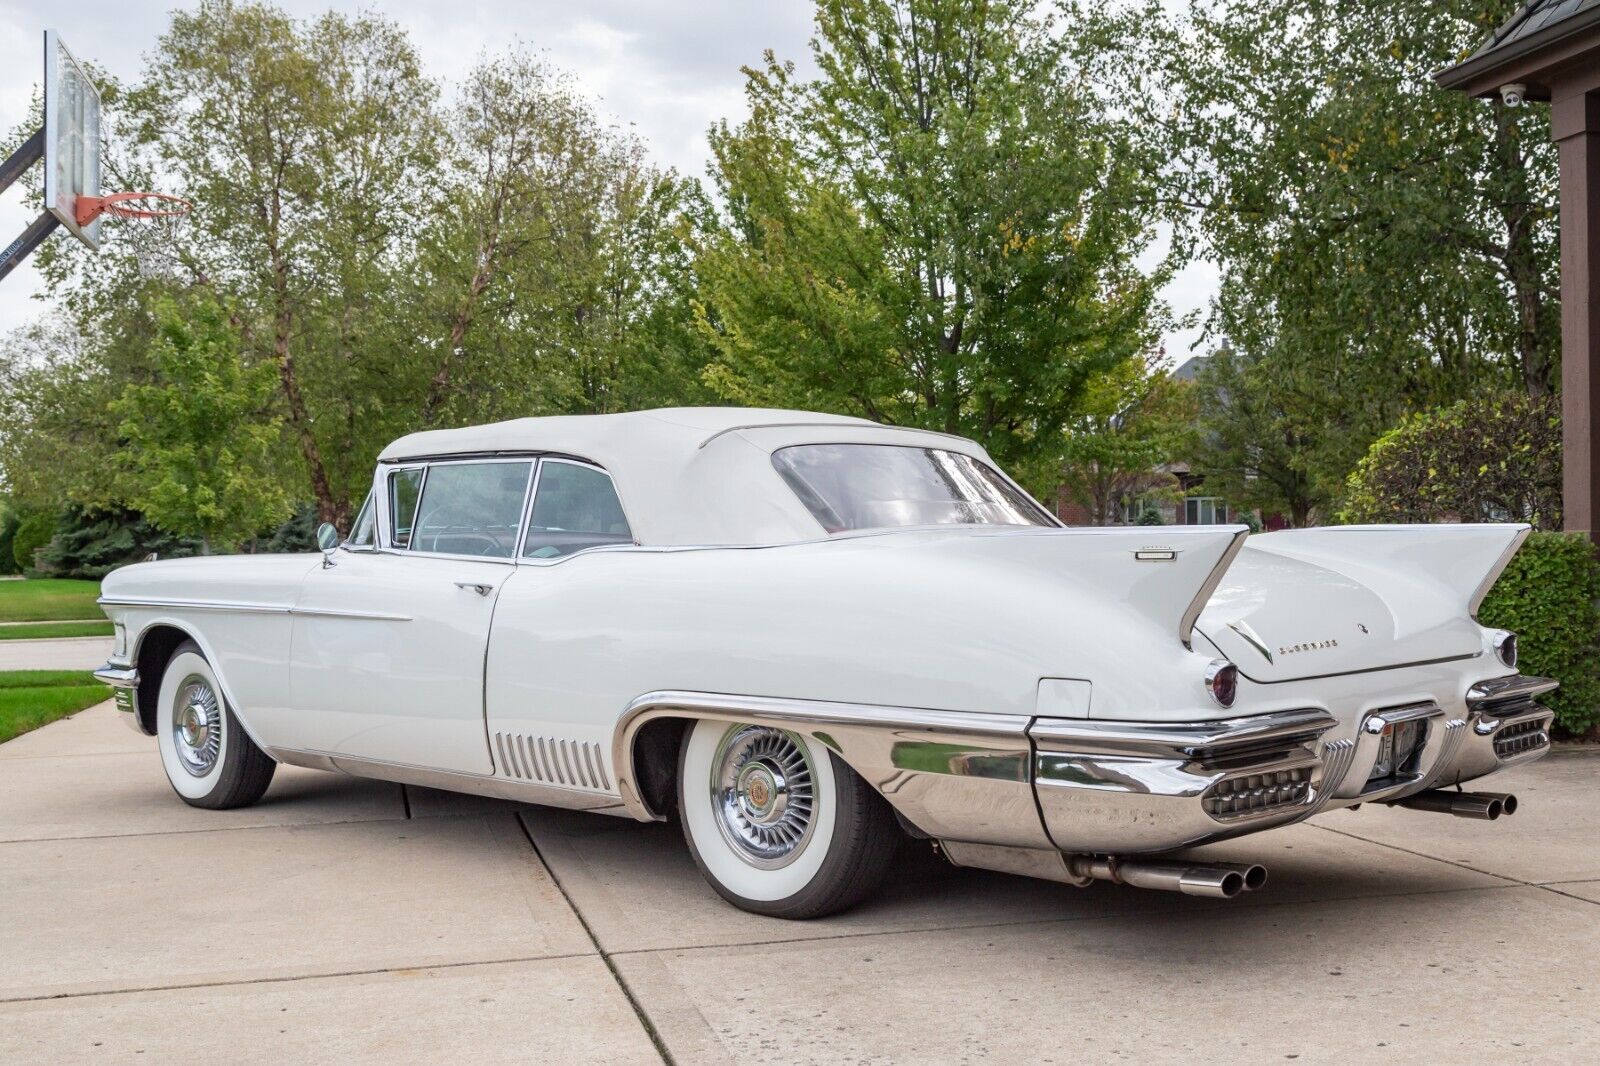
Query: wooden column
{"x": 1575, "y": 124}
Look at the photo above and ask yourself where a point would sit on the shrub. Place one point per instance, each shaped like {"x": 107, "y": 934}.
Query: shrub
{"x": 91, "y": 544}
{"x": 8, "y": 535}
{"x": 1547, "y": 597}
{"x": 34, "y": 533}
{"x": 1492, "y": 459}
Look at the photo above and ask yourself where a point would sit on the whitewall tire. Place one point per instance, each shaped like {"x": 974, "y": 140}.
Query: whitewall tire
{"x": 209, "y": 759}
{"x": 779, "y": 825}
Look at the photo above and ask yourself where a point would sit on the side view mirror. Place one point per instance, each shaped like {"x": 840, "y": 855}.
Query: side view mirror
{"x": 327, "y": 540}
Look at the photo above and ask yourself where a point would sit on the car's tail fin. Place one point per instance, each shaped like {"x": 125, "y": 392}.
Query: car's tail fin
{"x": 1166, "y": 574}
{"x": 1460, "y": 562}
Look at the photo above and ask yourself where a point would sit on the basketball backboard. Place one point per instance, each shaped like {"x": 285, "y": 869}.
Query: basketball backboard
{"x": 71, "y": 138}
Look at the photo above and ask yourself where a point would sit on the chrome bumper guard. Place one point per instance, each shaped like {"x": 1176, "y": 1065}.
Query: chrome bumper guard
{"x": 1508, "y": 726}
{"x": 1138, "y": 787}
{"x": 124, "y": 682}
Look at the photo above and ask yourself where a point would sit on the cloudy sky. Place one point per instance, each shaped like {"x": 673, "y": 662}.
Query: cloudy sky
{"x": 668, "y": 68}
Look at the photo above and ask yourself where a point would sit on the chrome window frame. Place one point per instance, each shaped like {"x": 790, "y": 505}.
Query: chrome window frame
{"x": 371, "y": 501}
{"x": 422, "y": 489}
{"x": 527, "y": 515}
{"x": 385, "y": 521}
{"x": 386, "y": 502}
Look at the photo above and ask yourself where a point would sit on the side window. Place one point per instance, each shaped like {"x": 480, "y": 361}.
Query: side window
{"x": 404, "y": 485}
{"x": 361, "y": 534}
{"x": 574, "y": 507}
{"x": 472, "y": 509}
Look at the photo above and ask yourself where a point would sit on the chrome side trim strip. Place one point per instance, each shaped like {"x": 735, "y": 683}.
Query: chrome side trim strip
{"x": 453, "y": 781}
{"x": 243, "y": 607}
{"x": 197, "y": 605}
{"x": 330, "y": 612}
{"x": 1167, "y": 739}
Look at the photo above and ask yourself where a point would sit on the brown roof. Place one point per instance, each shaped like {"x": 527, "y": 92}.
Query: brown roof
{"x": 1538, "y": 24}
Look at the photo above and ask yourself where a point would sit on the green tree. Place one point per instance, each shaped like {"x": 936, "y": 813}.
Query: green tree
{"x": 1384, "y": 246}
{"x": 939, "y": 230}
{"x": 306, "y": 146}
{"x": 1260, "y": 439}
{"x": 199, "y": 446}
{"x": 553, "y": 261}
{"x": 1131, "y": 421}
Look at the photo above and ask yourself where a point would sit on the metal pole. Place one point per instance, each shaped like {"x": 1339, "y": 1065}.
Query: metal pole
{"x": 31, "y": 152}
{"x": 31, "y": 238}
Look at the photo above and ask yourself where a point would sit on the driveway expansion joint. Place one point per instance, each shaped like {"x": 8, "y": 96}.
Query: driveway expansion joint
{"x": 605, "y": 956}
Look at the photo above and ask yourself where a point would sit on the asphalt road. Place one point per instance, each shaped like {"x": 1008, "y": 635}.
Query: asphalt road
{"x": 362, "y": 922}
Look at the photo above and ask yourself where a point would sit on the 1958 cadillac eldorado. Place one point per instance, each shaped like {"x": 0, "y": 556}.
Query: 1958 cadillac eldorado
{"x": 805, "y": 636}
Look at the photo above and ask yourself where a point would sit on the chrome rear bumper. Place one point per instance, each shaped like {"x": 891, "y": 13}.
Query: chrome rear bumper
{"x": 1038, "y": 788}
{"x": 1135, "y": 787}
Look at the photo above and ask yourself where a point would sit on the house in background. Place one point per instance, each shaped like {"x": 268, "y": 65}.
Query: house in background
{"x": 1172, "y": 490}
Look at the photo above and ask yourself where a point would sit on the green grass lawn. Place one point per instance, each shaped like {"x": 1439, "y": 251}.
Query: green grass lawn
{"x": 46, "y": 630}
{"x": 32, "y": 698}
{"x": 49, "y": 599}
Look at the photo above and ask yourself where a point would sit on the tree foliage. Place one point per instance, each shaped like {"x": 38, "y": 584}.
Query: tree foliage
{"x": 200, "y": 439}
{"x": 90, "y": 544}
{"x": 1384, "y": 246}
{"x": 394, "y": 261}
{"x": 1131, "y": 421}
{"x": 939, "y": 230}
{"x": 1494, "y": 459}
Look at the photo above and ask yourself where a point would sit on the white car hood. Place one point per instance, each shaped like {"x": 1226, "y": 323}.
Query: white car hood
{"x": 1282, "y": 618}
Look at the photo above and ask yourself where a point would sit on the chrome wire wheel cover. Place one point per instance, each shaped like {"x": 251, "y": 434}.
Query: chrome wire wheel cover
{"x": 197, "y": 725}
{"x": 763, "y": 794}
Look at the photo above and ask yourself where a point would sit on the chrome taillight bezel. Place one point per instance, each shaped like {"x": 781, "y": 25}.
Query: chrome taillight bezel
{"x": 1505, "y": 648}
{"x": 1222, "y": 682}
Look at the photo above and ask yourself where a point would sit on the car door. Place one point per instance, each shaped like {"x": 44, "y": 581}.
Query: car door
{"x": 389, "y": 643}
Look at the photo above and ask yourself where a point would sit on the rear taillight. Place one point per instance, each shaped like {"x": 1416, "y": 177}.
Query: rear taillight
{"x": 1222, "y": 681}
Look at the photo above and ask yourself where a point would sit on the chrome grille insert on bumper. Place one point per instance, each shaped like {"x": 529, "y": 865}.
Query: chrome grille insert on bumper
{"x": 1518, "y": 738}
{"x": 1253, "y": 794}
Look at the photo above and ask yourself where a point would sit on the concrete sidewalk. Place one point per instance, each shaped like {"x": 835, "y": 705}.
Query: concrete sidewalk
{"x": 359, "y": 921}
{"x": 60, "y": 653}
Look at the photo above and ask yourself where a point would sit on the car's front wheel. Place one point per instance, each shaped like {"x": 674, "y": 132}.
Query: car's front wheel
{"x": 209, "y": 759}
{"x": 777, "y": 823}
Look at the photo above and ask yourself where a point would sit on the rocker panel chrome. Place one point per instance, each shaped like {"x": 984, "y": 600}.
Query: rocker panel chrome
{"x": 452, "y": 781}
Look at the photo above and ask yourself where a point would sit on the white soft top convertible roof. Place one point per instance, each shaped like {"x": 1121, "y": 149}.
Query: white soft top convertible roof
{"x": 686, "y": 475}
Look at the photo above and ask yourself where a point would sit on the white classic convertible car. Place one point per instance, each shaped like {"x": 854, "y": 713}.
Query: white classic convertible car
{"x": 806, "y": 636}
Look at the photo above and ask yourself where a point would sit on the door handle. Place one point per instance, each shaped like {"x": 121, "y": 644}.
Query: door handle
{"x": 475, "y": 586}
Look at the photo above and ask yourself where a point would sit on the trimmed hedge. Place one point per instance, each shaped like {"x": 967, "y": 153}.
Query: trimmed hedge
{"x": 1494, "y": 458}
{"x": 1547, "y": 597}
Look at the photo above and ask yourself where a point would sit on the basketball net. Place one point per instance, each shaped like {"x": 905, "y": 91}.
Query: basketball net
{"x": 149, "y": 224}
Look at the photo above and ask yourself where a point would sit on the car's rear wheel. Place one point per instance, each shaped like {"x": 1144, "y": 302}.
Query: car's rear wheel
{"x": 778, "y": 824}
{"x": 209, "y": 759}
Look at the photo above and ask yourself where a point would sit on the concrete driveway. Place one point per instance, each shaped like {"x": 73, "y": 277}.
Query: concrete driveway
{"x": 359, "y": 921}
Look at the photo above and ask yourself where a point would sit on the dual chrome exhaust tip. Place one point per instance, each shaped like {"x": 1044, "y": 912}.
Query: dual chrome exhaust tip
{"x": 1482, "y": 805}
{"x": 1214, "y": 880}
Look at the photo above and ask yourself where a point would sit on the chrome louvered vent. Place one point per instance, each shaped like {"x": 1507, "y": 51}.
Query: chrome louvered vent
{"x": 551, "y": 761}
{"x": 1515, "y": 738}
{"x": 1256, "y": 794}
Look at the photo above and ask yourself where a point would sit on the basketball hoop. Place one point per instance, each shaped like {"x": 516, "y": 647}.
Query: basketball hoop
{"x": 140, "y": 205}
{"x": 155, "y": 241}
